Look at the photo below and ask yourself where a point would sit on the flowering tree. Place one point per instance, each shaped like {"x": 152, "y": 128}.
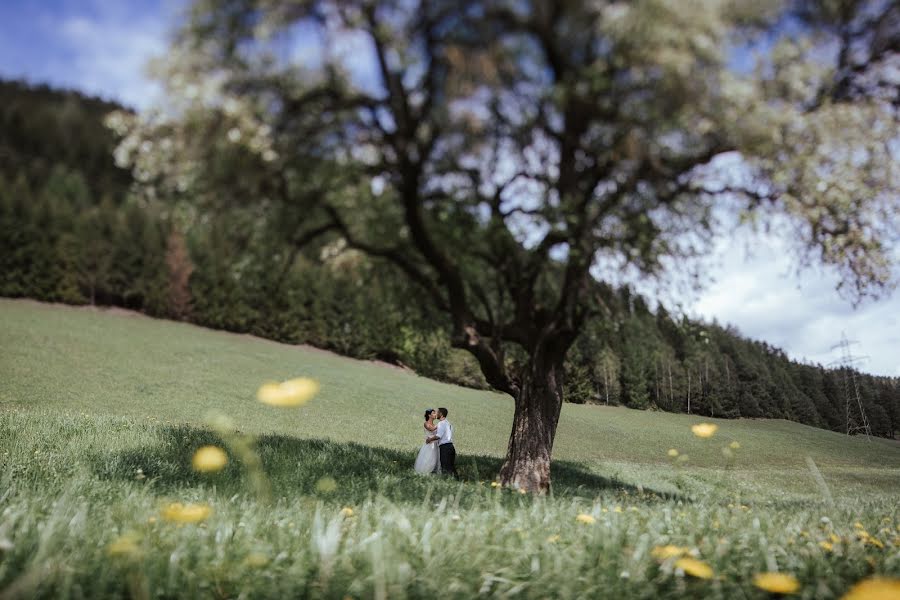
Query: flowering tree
{"x": 502, "y": 154}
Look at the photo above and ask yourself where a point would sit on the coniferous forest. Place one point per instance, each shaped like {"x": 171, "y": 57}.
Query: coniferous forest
{"x": 71, "y": 231}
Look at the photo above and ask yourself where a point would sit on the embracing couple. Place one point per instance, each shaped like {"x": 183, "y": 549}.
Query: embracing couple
{"x": 437, "y": 455}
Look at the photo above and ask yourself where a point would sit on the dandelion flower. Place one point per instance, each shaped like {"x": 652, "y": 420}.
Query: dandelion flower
{"x": 673, "y": 453}
{"x": 669, "y": 551}
{"x": 874, "y": 542}
{"x": 185, "y": 513}
{"x": 326, "y": 485}
{"x": 495, "y": 484}
{"x": 293, "y": 392}
{"x": 209, "y": 459}
{"x": 876, "y": 588}
{"x": 695, "y": 568}
{"x": 734, "y": 445}
{"x": 256, "y": 559}
{"x": 346, "y": 512}
{"x": 124, "y": 546}
{"x": 776, "y": 583}
{"x": 826, "y": 546}
{"x": 704, "y": 430}
{"x": 586, "y": 519}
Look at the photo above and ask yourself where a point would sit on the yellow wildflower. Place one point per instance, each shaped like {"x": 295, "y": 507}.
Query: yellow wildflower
{"x": 694, "y": 567}
{"x": 734, "y": 445}
{"x": 777, "y": 583}
{"x": 326, "y": 485}
{"x": 704, "y": 430}
{"x": 256, "y": 559}
{"x": 586, "y": 519}
{"x": 522, "y": 491}
{"x": 124, "y": 546}
{"x": 859, "y": 525}
{"x": 209, "y": 459}
{"x": 293, "y": 392}
{"x": 876, "y": 588}
{"x": 346, "y": 512}
{"x": 669, "y": 551}
{"x": 673, "y": 453}
{"x": 553, "y": 539}
{"x": 495, "y": 484}
{"x": 617, "y": 509}
{"x": 835, "y": 538}
{"x": 826, "y": 546}
{"x": 185, "y": 513}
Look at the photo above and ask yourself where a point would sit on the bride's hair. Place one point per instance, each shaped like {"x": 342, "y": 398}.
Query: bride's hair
{"x": 428, "y": 412}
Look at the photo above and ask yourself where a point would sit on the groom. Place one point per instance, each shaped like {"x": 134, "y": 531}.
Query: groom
{"x": 444, "y": 437}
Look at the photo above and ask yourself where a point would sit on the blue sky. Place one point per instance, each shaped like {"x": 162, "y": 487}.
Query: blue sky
{"x": 102, "y": 47}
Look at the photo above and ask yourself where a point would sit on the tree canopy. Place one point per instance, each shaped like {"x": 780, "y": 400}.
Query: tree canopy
{"x": 503, "y": 155}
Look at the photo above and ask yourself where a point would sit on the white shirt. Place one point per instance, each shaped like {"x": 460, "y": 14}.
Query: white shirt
{"x": 444, "y": 432}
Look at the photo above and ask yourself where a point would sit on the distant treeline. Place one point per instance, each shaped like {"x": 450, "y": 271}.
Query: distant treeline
{"x": 71, "y": 232}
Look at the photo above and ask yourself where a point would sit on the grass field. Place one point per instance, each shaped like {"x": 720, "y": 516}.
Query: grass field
{"x": 101, "y": 412}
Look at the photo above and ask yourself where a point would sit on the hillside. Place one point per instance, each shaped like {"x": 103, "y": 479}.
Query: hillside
{"x": 59, "y": 359}
{"x": 43, "y": 129}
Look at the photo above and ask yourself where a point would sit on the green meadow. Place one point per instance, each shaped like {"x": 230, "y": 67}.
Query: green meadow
{"x": 101, "y": 412}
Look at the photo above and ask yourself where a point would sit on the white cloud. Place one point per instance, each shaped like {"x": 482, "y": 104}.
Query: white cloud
{"x": 109, "y": 55}
{"x": 766, "y": 299}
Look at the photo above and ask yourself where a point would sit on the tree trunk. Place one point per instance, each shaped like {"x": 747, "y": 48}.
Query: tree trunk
{"x": 689, "y": 389}
{"x": 606, "y": 381}
{"x": 527, "y": 464}
{"x": 671, "y": 388}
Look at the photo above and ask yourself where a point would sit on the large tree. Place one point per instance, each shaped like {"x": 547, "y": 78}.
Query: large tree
{"x": 504, "y": 155}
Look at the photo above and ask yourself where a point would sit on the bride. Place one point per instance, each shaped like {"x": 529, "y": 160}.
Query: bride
{"x": 427, "y": 461}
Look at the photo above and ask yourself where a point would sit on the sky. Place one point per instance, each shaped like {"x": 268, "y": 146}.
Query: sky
{"x": 101, "y": 47}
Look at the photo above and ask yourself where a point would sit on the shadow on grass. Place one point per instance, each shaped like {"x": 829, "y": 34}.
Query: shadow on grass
{"x": 295, "y": 466}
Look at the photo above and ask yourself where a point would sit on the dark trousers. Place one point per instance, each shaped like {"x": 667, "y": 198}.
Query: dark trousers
{"x": 448, "y": 459}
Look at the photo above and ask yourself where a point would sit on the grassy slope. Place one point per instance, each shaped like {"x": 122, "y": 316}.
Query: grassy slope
{"x": 100, "y": 413}
{"x": 98, "y": 362}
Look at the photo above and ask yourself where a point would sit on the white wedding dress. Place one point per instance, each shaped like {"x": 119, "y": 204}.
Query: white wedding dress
{"x": 428, "y": 456}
